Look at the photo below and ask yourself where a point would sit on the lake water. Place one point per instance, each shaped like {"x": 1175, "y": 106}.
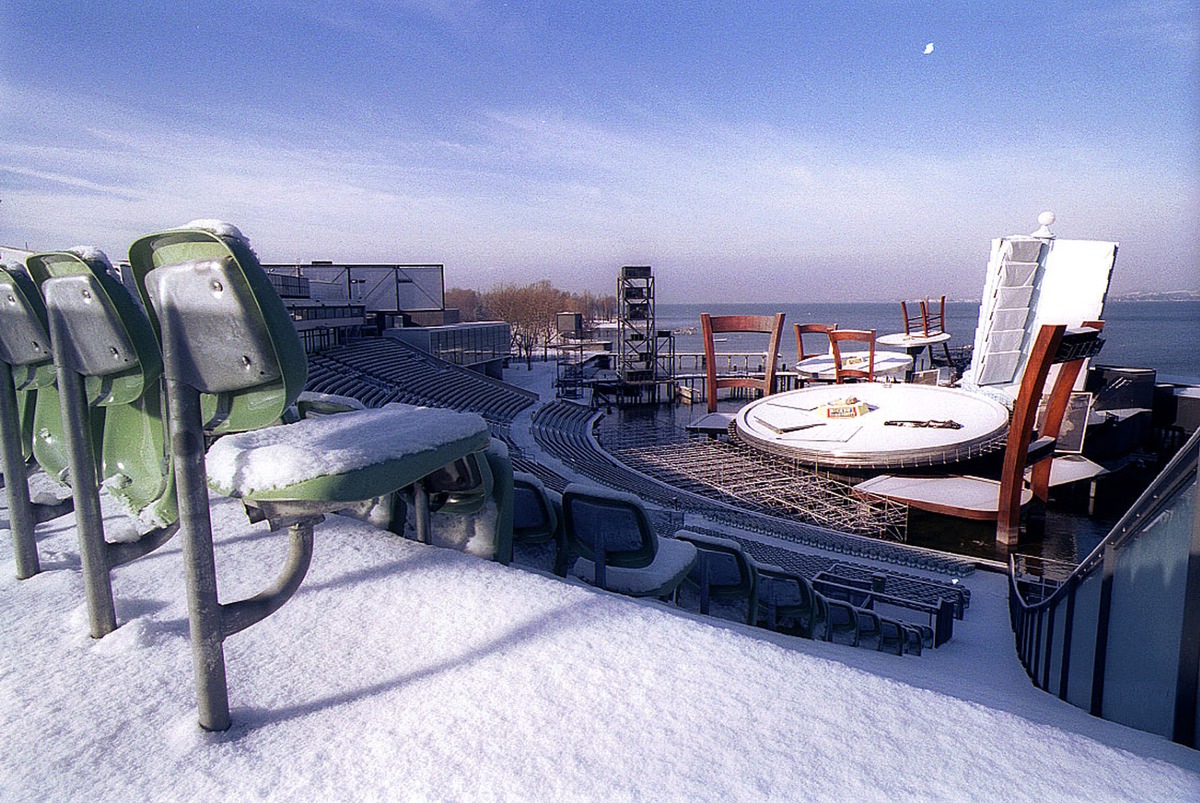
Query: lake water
{"x": 1163, "y": 335}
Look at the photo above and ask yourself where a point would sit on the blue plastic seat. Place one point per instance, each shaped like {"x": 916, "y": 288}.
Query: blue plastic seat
{"x": 617, "y": 546}
{"x": 722, "y": 571}
{"x": 870, "y": 629}
{"x": 786, "y": 600}
{"x": 842, "y": 623}
{"x": 892, "y": 636}
{"x": 538, "y": 517}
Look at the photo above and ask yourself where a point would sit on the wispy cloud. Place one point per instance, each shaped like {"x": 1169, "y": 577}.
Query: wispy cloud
{"x": 516, "y": 195}
{"x": 1163, "y": 27}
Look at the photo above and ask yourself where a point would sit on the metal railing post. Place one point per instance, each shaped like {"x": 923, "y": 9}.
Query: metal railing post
{"x": 81, "y": 463}
{"x": 200, "y": 573}
{"x": 421, "y": 511}
{"x": 16, "y": 481}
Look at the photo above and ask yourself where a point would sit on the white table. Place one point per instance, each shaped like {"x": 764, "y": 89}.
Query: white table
{"x": 824, "y": 368}
{"x": 793, "y": 425}
{"x": 913, "y": 344}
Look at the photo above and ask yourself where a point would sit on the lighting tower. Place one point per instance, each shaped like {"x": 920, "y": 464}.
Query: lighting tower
{"x": 637, "y": 351}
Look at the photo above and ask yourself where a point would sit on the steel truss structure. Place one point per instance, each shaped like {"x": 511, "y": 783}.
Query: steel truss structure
{"x": 736, "y": 474}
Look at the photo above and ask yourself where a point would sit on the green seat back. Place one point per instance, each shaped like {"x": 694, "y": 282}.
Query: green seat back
{"x": 243, "y": 352}
{"x": 111, "y": 343}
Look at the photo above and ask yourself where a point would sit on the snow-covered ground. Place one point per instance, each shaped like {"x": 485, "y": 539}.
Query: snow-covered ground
{"x": 404, "y": 671}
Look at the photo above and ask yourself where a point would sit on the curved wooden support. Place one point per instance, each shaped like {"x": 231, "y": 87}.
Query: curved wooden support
{"x": 237, "y": 616}
{"x": 1020, "y": 431}
{"x": 121, "y": 552}
{"x": 1056, "y": 409}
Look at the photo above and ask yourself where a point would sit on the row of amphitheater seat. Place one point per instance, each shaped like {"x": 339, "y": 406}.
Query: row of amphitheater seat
{"x": 611, "y": 542}
{"x": 385, "y": 370}
{"x": 562, "y": 429}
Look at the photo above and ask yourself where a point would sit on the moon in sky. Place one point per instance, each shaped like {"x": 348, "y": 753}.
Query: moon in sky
{"x": 928, "y": 48}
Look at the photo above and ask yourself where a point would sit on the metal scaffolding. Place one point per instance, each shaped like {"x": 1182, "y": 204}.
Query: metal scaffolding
{"x": 737, "y": 474}
{"x": 645, "y": 355}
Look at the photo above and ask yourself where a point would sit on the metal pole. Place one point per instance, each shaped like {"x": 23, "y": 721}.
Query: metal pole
{"x": 421, "y": 511}
{"x": 12, "y": 461}
{"x": 237, "y": 616}
{"x": 81, "y": 463}
{"x": 200, "y": 573}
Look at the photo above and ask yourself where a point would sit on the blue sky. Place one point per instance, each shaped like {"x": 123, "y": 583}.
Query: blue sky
{"x": 748, "y": 151}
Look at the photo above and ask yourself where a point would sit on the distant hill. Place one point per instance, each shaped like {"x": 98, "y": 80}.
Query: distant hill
{"x": 1158, "y": 295}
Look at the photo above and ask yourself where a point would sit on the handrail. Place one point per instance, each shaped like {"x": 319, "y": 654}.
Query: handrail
{"x": 1088, "y": 638}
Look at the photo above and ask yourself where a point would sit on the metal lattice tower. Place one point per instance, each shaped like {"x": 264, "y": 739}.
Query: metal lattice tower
{"x": 636, "y": 353}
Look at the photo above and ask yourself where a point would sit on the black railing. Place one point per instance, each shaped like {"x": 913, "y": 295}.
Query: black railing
{"x": 1120, "y": 635}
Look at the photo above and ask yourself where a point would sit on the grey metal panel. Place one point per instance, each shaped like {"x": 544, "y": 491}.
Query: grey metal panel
{"x": 214, "y": 312}
{"x": 97, "y": 343}
{"x": 1145, "y": 620}
{"x": 1083, "y": 642}
{"x": 1055, "y": 645}
{"x": 23, "y": 340}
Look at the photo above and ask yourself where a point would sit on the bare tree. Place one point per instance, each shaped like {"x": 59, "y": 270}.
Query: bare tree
{"x": 469, "y": 303}
{"x": 532, "y": 312}
{"x": 517, "y": 306}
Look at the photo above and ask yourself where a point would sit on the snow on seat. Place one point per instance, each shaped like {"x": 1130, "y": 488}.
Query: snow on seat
{"x": 343, "y": 458}
{"x": 634, "y": 560}
{"x": 670, "y": 565}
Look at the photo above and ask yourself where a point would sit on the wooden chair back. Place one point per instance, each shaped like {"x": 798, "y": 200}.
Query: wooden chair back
{"x": 810, "y": 329}
{"x": 934, "y": 318}
{"x": 914, "y": 323}
{"x": 766, "y": 324}
{"x": 842, "y": 370}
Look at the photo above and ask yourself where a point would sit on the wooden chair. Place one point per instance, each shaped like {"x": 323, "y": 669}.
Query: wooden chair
{"x": 767, "y": 324}
{"x": 1001, "y": 501}
{"x": 914, "y": 323}
{"x": 803, "y": 329}
{"x": 935, "y": 324}
{"x": 926, "y": 321}
{"x": 842, "y": 368}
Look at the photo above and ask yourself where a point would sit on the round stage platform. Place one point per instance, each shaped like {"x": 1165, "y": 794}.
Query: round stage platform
{"x": 895, "y": 425}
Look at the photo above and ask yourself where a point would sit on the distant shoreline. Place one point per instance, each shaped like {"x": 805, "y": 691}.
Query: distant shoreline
{"x": 1166, "y": 297}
